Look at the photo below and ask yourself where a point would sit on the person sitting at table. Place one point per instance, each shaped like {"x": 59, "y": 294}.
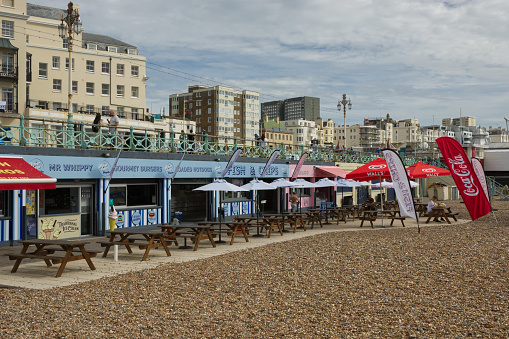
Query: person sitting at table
{"x": 370, "y": 203}
{"x": 295, "y": 201}
{"x": 433, "y": 203}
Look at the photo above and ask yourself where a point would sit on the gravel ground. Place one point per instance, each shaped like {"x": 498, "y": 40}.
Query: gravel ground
{"x": 447, "y": 282}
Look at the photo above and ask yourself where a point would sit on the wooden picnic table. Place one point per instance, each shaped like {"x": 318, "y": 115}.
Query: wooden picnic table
{"x": 294, "y": 219}
{"x": 421, "y": 208}
{"x": 270, "y": 223}
{"x": 353, "y": 209}
{"x": 149, "y": 239}
{"x": 442, "y": 212}
{"x": 332, "y": 212}
{"x": 73, "y": 250}
{"x": 370, "y": 215}
{"x": 193, "y": 232}
{"x": 233, "y": 228}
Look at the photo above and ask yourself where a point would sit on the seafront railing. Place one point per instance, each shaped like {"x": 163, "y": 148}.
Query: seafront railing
{"x": 36, "y": 132}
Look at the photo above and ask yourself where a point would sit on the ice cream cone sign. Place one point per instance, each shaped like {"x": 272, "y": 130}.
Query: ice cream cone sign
{"x": 47, "y": 227}
{"x": 112, "y": 218}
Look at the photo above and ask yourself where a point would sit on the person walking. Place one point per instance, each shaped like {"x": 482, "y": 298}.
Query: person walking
{"x": 294, "y": 200}
{"x": 113, "y": 123}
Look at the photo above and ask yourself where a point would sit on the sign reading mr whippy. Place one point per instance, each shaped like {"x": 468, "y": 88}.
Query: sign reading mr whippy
{"x": 464, "y": 176}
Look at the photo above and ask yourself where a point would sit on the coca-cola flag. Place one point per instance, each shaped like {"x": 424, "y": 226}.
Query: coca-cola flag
{"x": 479, "y": 171}
{"x": 464, "y": 176}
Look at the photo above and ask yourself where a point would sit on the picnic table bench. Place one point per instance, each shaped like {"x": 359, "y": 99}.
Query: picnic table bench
{"x": 441, "y": 212}
{"x": 74, "y": 250}
{"x": 194, "y": 232}
{"x": 294, "y": 219}
{"x": 269, "y": 222}
{"x": 150, "y": 239}
{"x": 233, "y": 228}
{"x": 370, "y": 215}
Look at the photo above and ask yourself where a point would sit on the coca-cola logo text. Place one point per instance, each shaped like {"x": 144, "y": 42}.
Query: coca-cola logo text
{"x": 459, "y": 167}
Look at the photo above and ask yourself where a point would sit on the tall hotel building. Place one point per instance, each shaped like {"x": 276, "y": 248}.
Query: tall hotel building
{"x": 219, "y": 111}
{"x": 307, "y": 108}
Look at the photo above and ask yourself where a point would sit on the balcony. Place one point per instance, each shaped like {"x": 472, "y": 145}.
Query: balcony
{"x": 8, "y": 71}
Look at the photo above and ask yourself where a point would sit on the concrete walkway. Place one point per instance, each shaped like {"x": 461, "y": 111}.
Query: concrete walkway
{"x": 34, "y": 274}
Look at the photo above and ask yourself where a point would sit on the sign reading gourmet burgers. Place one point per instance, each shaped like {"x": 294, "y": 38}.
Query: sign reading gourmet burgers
{"x": 464, "y": 176}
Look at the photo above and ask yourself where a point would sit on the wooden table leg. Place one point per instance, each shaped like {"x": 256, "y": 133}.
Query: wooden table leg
{"x": 68, "y": 254}
{"x": 243, "y": 229}
{"x": 149, "y": 246}
{"x": 211, "y": 238}
{"x": 235, "y": 228}
{"x": 198, "y": 239}
{"x": 18, "y": 261}
{"x": 86, "y": 256}
{"x": 164, "y": 244}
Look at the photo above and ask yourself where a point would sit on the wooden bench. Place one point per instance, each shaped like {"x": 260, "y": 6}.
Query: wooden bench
{"x": 402, "y": 219}
{"x": 368, "y": 217}
{"x": 453, "y": 215}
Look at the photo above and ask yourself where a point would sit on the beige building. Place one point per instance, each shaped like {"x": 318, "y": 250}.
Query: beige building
{"x": 219, "y": 111}
{"x": 325, "y": 132}
{"x": 357, "y": 136}
{"x": 106, "y": 73}
{"x": 461, "y": 122}
{"x": 498, "y": 134}
{"x": 276, "y": 133}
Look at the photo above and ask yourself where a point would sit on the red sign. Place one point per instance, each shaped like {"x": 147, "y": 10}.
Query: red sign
{"x": 464, "y": 176}
{"x": 17, "y": 174}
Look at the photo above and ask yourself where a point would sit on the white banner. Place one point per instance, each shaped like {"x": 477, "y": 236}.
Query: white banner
{"x": 479, "y": 171}
{"x": 401, "y": 184}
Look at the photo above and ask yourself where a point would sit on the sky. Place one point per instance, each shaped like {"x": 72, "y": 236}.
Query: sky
{"x": 422, "y": 59}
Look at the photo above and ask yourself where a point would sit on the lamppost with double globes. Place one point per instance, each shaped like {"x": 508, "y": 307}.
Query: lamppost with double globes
{"x": 70, "y": 25}
{"x": 344, "y": 103}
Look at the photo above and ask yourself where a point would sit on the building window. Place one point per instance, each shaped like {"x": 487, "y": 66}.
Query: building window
{"x": 105, "y": 110}
{"x": 67, "y": 63}
{"x": 57, "y": 106}
{"x": 105, "y": 89}
{"x": 120, "y": 91}
{"x": 120, "y": 112}
{"x": 43, "y": 70}
{"x": 134, "y": 113}
{"x": 57, "y": 85}
{"x": 135, "y": 71}
{"x": 63, "y": 200}
{"x": 120, "y": 69}
{"x": 92, "y": 46}
{"x": 134, "y": 195}
{"x": 75, "y": 87}
{"x": 8, "y": 97}
{"x": 135, "y": 92}
{"x": 105, "y": 68}
{"x": 90, "y": 88}
{"x": 7, "y": 29}
{"x": 8, "y": 3}
{"x": 56, "y": 62}
{"x": 65, "y": 43}
{"x": 112, "y": 49}
{"x": 90, "y": 109}
{"x": 132, "y": 51}
{"x": 90, "y": 66}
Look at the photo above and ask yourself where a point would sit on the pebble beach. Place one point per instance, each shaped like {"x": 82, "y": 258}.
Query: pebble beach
{"x": 449, "y": 281}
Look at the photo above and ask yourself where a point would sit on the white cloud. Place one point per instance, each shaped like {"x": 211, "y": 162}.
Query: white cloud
{"x": 409, "y": 58}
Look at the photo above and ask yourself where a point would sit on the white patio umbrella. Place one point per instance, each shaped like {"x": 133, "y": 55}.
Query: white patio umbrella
{"x": 384, "y": 184}
{"x": 301, "y": 183}
{"x": 257, "y": 185}
{"x": 220, "y": 185}
{"x": 281, "y": 183}
{"x": 346, "y": 183}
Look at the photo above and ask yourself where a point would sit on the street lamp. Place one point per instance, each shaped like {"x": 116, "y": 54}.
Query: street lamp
{"x": 70, "y": 25}
{"x": 344, "y": 102}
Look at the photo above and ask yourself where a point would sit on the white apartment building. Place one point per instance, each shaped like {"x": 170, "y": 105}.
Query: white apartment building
{"x": 407, "y": 133}
{"x": 498, "y": 134}
{"x": 304, "y": 131}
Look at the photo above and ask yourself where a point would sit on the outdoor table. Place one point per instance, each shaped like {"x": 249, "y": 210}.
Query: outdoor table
{"x": 368, "y": 215}
{"x": 234, "y": 227}
{"x": 441, "y": 212}
{"x": 73, "y": 250}
{"x": 150, "y": 239}
{"x": 270, "y": 223}
{"x": 292, "y": 218}
{"x": 313, "y": 216}
{"x": 421, "y": 208}
{"x": 353, "y": 209}
{"x": 194, "y": 232}
{"x": 337, "y": 212}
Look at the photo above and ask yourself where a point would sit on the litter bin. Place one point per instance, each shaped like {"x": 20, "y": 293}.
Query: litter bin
{"x": 177, "y": 218}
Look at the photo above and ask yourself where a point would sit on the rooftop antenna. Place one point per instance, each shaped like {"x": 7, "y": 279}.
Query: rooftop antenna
{"x": 505, "y": 123}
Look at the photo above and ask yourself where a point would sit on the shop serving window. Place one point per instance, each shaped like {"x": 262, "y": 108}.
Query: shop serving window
{"x": 134, "y": 195}
{"x": 235, "y": 196}
{"x": 3, "y": 203}
{"x": 62, "y": 200}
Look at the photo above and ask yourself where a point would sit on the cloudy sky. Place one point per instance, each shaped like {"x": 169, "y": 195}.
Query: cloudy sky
{"x": 426, "y": 59}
